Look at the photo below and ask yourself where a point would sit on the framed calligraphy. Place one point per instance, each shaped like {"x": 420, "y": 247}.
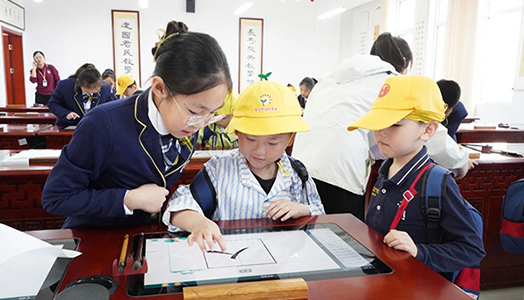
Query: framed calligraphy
{"x": 126, "y": 43}
{"x": 250, "y": 51}
{"x": 12, "y": 14}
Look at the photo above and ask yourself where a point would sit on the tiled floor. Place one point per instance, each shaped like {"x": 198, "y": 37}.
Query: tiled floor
{"x": 516, "y": 293}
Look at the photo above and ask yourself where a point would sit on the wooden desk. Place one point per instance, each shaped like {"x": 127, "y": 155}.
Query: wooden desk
{"x": 14, "y": 136}
{"x": 56, "y": 136}
{"x": 484, "y": 187}
{"x": 470, "y": 119}
{"x": 16, "y": 108}
{"x": 411, "y": 279}
{"x": 41, "y": 118}
{"x": 467, "y": 134}
{"x": 21, "y": 192}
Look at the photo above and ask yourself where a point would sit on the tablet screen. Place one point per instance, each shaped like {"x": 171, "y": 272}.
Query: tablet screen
{"x": 312, "y": 252}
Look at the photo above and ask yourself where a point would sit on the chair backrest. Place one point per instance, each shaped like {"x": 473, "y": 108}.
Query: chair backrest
{"x": 512, "y": 229}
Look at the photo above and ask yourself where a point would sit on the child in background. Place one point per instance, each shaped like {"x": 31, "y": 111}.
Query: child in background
{"x": 126, "y": 86}
{"x": 402, "y": 118}
{"x": 215, "y": 135}
{"x": 109, "y": 76}
{"x": 257, "y": 180}
{"x": 456, "y": 111}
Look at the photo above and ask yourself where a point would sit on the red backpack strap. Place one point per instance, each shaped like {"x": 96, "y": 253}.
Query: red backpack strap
{"x": 407, "y": 196}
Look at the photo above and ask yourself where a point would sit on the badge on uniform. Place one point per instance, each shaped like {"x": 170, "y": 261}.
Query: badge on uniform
{"x": 44, "y": 83}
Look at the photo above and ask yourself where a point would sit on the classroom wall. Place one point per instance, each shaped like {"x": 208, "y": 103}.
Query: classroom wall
{"x": 70, "y": 33}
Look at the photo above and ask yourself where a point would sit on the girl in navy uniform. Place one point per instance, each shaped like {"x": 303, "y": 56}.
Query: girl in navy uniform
{"x": 125, "y": 155}
{"x": 75, "y": 96}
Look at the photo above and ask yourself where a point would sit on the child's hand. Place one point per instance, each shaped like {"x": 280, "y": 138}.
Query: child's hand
{"x": 284, "y": 209}
{"x": 209, "y": 232}
{"x": 401, "y": 240}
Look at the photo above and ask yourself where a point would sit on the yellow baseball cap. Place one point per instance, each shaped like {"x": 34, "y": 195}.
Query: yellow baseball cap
{"x": 412, "y": 97}
{"x": 123, "y": 81}
{"x": 267, "y": 108}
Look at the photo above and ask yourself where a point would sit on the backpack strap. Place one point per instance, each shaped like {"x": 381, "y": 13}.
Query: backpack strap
{"x": 301, "y": 170}
{"x": 432, "y": 190}
{"x": 407, "y": 196}
{"x": 204, "y": 192}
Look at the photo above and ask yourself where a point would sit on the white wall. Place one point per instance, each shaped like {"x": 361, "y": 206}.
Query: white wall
{"x": 70, "y": 33}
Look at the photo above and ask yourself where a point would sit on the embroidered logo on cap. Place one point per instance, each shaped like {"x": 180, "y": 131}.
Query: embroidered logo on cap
{"x": 384, "y": 90}
{"x": 265, "y": 99}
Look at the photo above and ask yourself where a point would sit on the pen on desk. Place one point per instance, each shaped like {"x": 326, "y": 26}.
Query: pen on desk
{"x": 122, "y": 260}
{"x": 139, "y": 252}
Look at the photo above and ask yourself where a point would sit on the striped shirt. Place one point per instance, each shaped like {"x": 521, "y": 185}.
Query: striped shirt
{"x": 240, "y": 196}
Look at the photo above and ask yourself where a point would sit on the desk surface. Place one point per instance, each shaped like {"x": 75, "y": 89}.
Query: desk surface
{"x": 410, "y": 280}
{"x": 468, "y": 134}
{"x": 31, "y": 118}
{"x": 16, "y": 108}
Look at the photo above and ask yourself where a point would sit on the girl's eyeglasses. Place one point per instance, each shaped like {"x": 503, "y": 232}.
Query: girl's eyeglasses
{"x": 198, "y": 120}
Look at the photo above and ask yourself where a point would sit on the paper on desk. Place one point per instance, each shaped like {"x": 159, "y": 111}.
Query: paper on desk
{"x": 25, "y": 262}
{"x": 23, "y": 156}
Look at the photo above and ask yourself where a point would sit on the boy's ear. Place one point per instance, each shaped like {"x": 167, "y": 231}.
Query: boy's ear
{"x": 429, "y": 131}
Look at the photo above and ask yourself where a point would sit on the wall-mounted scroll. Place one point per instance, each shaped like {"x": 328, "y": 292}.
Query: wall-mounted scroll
{"x": 250, "y": 51}
{"x": 126, "y": 43}
{"x": 12, "y": 14}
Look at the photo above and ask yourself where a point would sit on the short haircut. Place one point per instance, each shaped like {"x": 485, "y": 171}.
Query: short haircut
{"x": 450, "y": 91}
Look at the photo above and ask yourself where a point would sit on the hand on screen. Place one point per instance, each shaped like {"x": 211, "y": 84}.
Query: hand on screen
{"x": 401, "y": 240}
{"x": 284, "y": 209}
{"x": 207, "y": 232}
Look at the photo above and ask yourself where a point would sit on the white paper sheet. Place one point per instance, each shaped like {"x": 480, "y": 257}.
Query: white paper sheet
{"x": 25, "y": 262}
{"x": 22, "y": 157}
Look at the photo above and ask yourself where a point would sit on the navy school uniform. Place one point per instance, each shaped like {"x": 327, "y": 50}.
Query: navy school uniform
{"x": 462, "y": 245}
{"x": 66, "y": 99}
{"x": 115, "y": 148}
{"x": 452, "y": 122}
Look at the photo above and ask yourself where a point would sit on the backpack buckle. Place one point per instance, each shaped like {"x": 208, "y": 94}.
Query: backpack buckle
{"x": 408, "y": 196}
{"x": 433, "y": 214}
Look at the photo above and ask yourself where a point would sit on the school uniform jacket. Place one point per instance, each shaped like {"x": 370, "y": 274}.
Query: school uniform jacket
{"x": 115, "y": 148}
{"x": 66, "y": 99}
{"x": 462, "y": 244}
{"x": 239, "y": 194}
{"x": 452, "y": 122}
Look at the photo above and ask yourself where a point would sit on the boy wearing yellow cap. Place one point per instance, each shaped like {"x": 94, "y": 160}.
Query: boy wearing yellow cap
{"x": 258, "y": 179}
{"x": 126, "y": 86}
{"x": 403, "y": 117}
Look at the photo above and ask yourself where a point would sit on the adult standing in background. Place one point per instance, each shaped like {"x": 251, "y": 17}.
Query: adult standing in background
{"x": 125, "y": 155}
{"x": 75, "y": 96}
{"x": 339, "y": 160}
{"x": 45, "y": 76}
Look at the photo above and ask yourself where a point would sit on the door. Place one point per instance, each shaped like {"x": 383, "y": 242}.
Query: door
{"x": 14, "y": 67}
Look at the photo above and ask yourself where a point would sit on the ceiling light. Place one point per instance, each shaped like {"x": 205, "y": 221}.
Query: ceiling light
{"x": 332, "y": 13}
{"x": 243, "y": 8}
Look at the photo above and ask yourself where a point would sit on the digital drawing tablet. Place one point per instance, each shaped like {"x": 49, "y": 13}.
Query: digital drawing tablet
{"x": 311, "y": 252}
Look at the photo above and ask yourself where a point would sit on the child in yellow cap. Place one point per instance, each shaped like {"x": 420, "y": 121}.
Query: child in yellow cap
{"x": 257, "y": 180}
{"x": 403, "y": 117}
{"x": 126, "y": 86}
{"x": 214, "y": 135}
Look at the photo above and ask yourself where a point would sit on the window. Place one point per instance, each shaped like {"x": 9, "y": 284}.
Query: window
{"x": 440, "y": 34}
{"x": 501, "y": 44}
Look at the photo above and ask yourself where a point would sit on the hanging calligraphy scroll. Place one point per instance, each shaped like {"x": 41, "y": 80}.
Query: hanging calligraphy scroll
{"x": 126, "y": 43}
{"x": 250, "y": 51}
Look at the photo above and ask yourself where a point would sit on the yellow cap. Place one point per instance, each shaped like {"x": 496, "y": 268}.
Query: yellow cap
{"x": 123, "y": 81}
{"x": 229, "y": 104}
{"x": 413, "y": 97}
{"x": 267, "y": 108}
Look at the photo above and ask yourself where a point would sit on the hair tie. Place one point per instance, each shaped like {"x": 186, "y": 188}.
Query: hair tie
{"x": 162, "y": 39}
